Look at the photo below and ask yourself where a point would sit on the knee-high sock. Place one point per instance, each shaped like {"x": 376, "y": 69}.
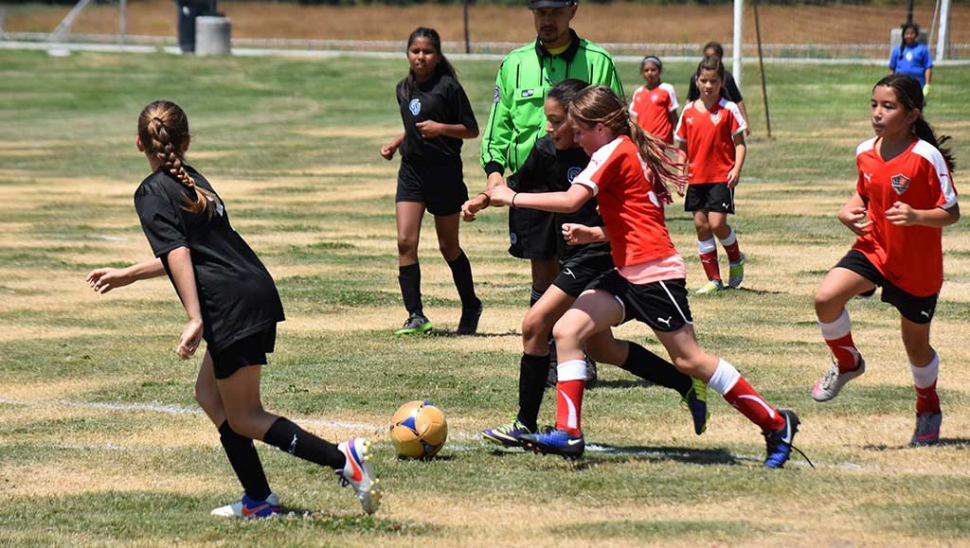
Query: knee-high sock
{"x": 731, "y": 247}
{"x": 569, "y": 396}
{"x": 296, "y": 441}
{"x": 461, "y": 273}
{"x": 838, "y": 337}
{"x": 245, "y": 462}
{"x": 649, "y": 366}
{"x": 533, "y": 371}
{"x": 728, "y": 382}
{"x": 410, "y": 279}
{"x": 924, "y": 380}
{"x": 707, "y": 249}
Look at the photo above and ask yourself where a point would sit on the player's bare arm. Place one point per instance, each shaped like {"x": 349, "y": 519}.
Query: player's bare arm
{"x": 901, "y": 214}
{"x": 183, "y": 275}
{"x": 430, "y": 129}
{"x": 556, "y": 202}
{"x": 740, "y": 151}
{"x": 388, "y": 150}
{"x": 577, "y": 234}
{"x": 482, "y": 200}
{"x": 103, "y": 280}
{"x": 854, "y": 215}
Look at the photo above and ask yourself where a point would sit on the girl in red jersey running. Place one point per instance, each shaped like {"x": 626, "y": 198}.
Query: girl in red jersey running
{"x": 654, "y": 104}
{"x": 711, "y": 133}
{"x": 232, "y": 303}
{"x": 904, "y": 197}
{"x": 626, "y": 174}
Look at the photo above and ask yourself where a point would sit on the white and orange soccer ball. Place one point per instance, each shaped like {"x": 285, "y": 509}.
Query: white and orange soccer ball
{"x": 418, "y": 430}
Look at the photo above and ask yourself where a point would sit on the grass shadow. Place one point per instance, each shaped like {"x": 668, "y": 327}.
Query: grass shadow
{"x": 688, "y": 455}
{"x": 962, "y": 443}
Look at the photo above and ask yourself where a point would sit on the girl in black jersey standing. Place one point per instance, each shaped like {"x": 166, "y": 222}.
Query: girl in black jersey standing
{"x": 437, "y": 116}
{"x": 232, "y": 303}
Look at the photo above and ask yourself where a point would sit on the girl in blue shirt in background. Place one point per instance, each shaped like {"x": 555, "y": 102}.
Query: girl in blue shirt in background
{"x": 912, "y": 58}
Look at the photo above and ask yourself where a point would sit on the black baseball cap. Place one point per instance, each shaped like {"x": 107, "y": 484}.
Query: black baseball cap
{"x": 536, "y": 4}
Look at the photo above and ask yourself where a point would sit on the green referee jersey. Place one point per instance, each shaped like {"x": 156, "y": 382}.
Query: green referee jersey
{"x": 516, "y": 120}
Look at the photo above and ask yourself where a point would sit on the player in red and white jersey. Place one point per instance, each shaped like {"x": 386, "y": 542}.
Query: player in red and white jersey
{"x": 654, "y": 104}
{"x": 904, "y": 197}
{"x": 627, "y": 173}
{"x": 711, "y": 133}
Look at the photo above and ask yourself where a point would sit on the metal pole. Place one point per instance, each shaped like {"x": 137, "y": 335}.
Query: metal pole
{"x": 468, "y": 45}
{"x": 943, "y": 38}
{"x": 909, "y": 13}
{"x": 736, "y": 63}
{"x": 761, "y": 67}
{"x": 124, "y": 20}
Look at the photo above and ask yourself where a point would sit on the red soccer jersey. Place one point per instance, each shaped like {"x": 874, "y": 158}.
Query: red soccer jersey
{"x": 710, "y": 140}
{"x": 631, "y": 211}
{"x": 911, "y": 257}
{"x": 652, "y": 107}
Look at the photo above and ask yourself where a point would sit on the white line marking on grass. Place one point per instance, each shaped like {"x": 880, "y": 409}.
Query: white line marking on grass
{"x": 468, "y": 441}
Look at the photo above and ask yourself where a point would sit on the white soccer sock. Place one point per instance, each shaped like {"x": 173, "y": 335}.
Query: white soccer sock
{"x": 841, "y": 327}
{"x": 706, "y": 246}
{"x": 730, "y": 240}
{"x": 924, "y": 377}
{"x": 724, "y": 377}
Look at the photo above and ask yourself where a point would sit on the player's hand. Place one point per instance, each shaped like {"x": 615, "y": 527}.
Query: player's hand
{"x": 103, "y": 280}
{"x": 387, "y": 151}
{"x": 473, "y": 206}
{"x": 856, "y": 219}
{"x": 429, "y": 129}
{"x": 190, "y": 340}
{"x": 901, "y": 214}
{"x": 577, "y": 234}
{"x": 926, "y": 91}
{"x": 733, "y": 178}
{"x": 501, "y": 195}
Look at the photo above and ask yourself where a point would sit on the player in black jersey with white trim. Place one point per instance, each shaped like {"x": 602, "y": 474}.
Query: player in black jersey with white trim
{"x": 232, "y": 303}
{"x": 550, "y": 167}
{"x": 437, "y": 116}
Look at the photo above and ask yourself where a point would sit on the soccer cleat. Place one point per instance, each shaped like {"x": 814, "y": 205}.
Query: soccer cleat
{"x": 249, "y": 508}
{"x": 712, "y": 286}
{"x": 696, "y": 402}
{"x": 415, "y": 324}
{"x": 779, "y": 442}
{"x": 556, "y": 442}
{"x": 468, "y": 324}
{"x": 507, "y": 435}
{"x": 832, "y": 382}
{"x": 736, "y": 273}
{"x": 927, "y": 429}
{"x": 359, "y": 473}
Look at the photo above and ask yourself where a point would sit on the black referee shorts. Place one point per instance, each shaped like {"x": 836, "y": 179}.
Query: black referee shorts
{"x": 533, "y": 234}
{"x": 438, "y": 183}
{"x": 716, "y": 197}
{"x": 913, "y": 308}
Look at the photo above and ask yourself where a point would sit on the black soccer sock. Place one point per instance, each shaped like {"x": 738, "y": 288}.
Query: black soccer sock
{"x": 533, "y": 371}
{"x": 461, "y": 272}
{"x": 649, "y": 366}
{"x": 296, "y": 441}
{"x": 536, "y": 295}
{"x": 245, "y": 462}
{"x": 410, "y": 278}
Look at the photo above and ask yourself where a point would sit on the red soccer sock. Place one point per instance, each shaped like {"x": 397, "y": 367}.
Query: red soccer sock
{"x": 711, "y": 268}
{"x": 845, "y": 352}
{"x": 569, "y": 405}
{"x": 733, "y": 251}
{"x": 927, "y": 400}
{"x": 744, "y": 398}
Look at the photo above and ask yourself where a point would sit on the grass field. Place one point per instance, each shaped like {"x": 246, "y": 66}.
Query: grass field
{"x": 101, "y": 443}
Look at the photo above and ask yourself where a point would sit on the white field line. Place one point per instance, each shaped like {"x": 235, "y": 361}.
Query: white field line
{"x": 470, "y": 441}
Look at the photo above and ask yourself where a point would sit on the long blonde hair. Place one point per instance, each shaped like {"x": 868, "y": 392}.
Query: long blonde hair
{"x": 600, "y": 104}
{"x": 163, "y": 129}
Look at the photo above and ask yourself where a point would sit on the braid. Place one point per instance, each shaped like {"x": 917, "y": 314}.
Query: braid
{"x": 163, "y": 129}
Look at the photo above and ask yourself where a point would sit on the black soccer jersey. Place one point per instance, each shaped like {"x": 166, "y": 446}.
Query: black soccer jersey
{"x": 548, "y": 169}
{"x": 441, "y": 99}
{"x": 236, "y": 293}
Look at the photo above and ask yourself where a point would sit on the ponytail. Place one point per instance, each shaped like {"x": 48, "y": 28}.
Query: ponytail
{"x": 599, "y": 104}
{"x": 164, "y": 131}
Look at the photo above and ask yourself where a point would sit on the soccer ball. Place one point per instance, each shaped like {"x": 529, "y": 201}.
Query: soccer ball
{"x": 418, "y": 430}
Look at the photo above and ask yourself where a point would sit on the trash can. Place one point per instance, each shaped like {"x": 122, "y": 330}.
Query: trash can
{"x": 188, "y": 10}
{"x": 213, "y": 35}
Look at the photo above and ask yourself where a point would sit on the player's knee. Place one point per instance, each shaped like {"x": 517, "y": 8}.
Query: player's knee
{"x": 567, "y": 332}
{"x": 688, "y": 365}
{"x": 534, "y": 328}
{"x": 407, "y": 246}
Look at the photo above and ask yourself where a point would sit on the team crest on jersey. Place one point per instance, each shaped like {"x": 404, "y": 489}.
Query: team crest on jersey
{"x": 498, "y": 95}
{"x": 716, "y": 117}
{"x": 573, "y": 172}
{"x": 415, "y": 106}
{"x": 900, "y": 183}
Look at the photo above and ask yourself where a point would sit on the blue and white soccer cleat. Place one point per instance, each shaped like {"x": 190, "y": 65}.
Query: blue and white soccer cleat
{"x": 359, "y": 473}
{"x": 556, "y": 442}
{"x": 249, "y": 508}
{"x": 779, "y": 442}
